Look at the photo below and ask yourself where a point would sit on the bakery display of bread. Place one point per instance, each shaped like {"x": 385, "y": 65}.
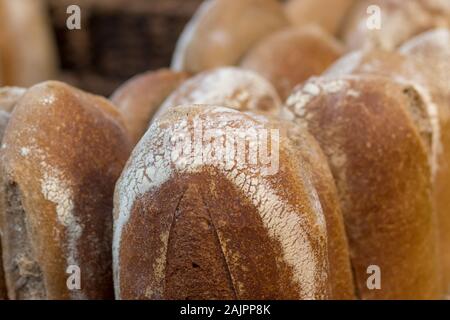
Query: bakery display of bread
{"x": 27, "y": 47}
{"x": 140, "y": 97}
{"x": 328, "y": 14}
{"x": 222, "y": 31}
{"x": 61, "y": 154}
{"x": 229, "y": 87}
{"x": 383, "y": 178}
{"x": 290, "y": 56}
{"x": 293, "y": 150}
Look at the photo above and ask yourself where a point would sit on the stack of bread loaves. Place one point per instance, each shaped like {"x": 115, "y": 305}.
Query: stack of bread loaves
{"x": 267, "y": 164}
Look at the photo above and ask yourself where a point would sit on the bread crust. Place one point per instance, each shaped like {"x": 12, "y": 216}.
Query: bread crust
{"x": 222, "y": 31}
{"x": 184, "y": 230}
{"x": 139, "y": 98}
{"x": 380, "y": 166}
{"x": 290, "y": 56}
{"x": 412, "y": 66}
{"x": 226, "y": 86}
{"x": 61, "y": 155}
{"x": 4, "y": 118}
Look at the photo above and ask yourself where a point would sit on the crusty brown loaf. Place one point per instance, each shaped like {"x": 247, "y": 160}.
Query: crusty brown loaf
{"x": 422, "y": 63}
{"x": 400, "y": 20}
{"x": 62, "y": 152}
{"x": 140, "y": 97}
{"x": 290, "y": 56}
{"x": 226, "y": 86}
{"x": 380, "y": 166}
{"x": 328, "y": 14}
{"x": 187, "y": 230}
{"x": 222, "y": 31}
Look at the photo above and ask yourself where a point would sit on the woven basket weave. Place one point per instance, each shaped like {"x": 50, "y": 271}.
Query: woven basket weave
{"x": 118, "y": 39}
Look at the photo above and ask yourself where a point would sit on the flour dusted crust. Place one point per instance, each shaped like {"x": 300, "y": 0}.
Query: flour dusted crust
{"x": 222, "y": 31}
{"x": 61, "y": 155}
{"x": 290, "y": 56}
{"x": 401, "y": 20}
{"x": 379, "y": 163}
{"x": 226, "y": 86}
{"x": 422, "y": 63}
{"x": 327, "y": 14}
{"x": 139, "y": 98}
{"x": 209, "y": 230}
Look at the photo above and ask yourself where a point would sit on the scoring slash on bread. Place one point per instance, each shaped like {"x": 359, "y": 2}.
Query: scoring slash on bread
{"x": 229, "y": 87}
{"x": 222, "y": 31}
{"x": 290, "y": 56}
{"x": 139, "y": 98}
{"x": 216, "y": 230}
{"x": 366, "y": 127}
{"x": 62, "y": 152}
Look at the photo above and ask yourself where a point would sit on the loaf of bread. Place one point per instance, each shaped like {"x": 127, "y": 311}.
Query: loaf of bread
{"x": 62, "y": 152}
{"x": 328, "y": 14}
{"x": 191, "y": 226}
{"x": 290, "y": 56}
{"x": 222, "y": 31}
{"x": 226, "y": 86}
{"x": 27, "y": 47}
{"x": 380, "y": 164}
{"x": 422, "y": 63}
{"x": 385, "y": 24}
{"x": 140, "y": 97}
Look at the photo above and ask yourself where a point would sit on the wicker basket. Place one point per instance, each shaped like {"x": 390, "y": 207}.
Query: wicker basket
{"x": 118, "y": 39}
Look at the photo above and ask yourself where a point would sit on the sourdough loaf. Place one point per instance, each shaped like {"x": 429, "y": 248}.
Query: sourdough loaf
{"x": 222, "y": 31}
{"x": 423, "y": 64}
{"x": 226, "y": 86}
{"x": 190, "y": 226}
{"x": 62, "y": 152}
{"x": 380, "y": 164}
{"x": 140, "y": 97}
{"x": 290, "y": 56}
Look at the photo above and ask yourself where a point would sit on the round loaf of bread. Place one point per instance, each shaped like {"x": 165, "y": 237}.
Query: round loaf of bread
{"x": 380, "y": 165}
{"x": 27, "y": 48}
{"x": 385, "y": 24}
{"x": 199, "y": 215}
{"x": 290, "y": 56}
{"x": 222, "y": 31}
{"x": 422, "y": 63}
{"x": 328, "y": 14}
{"x": 140, "y": 97}
{"x": 62, "y": 153}
{"x": 227, "y": 86}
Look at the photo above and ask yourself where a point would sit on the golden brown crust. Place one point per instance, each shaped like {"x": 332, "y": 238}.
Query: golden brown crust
{"x": 423, "y": 64}
{"x": 177, "y": 223}
{"x": 231, "y": 87}
{"x": 63, "y": 151}
{"x": 222, "y": 31}
{"x": 328, "y": 14}
{"x": 290, "y": 56}
{"x": 140, "y": 97}
{"x": 380, "y": 166}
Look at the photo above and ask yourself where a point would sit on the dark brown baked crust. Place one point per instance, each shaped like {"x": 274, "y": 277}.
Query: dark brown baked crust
{"x": 380, "y": 165}
{"x": 61, "y": 155}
